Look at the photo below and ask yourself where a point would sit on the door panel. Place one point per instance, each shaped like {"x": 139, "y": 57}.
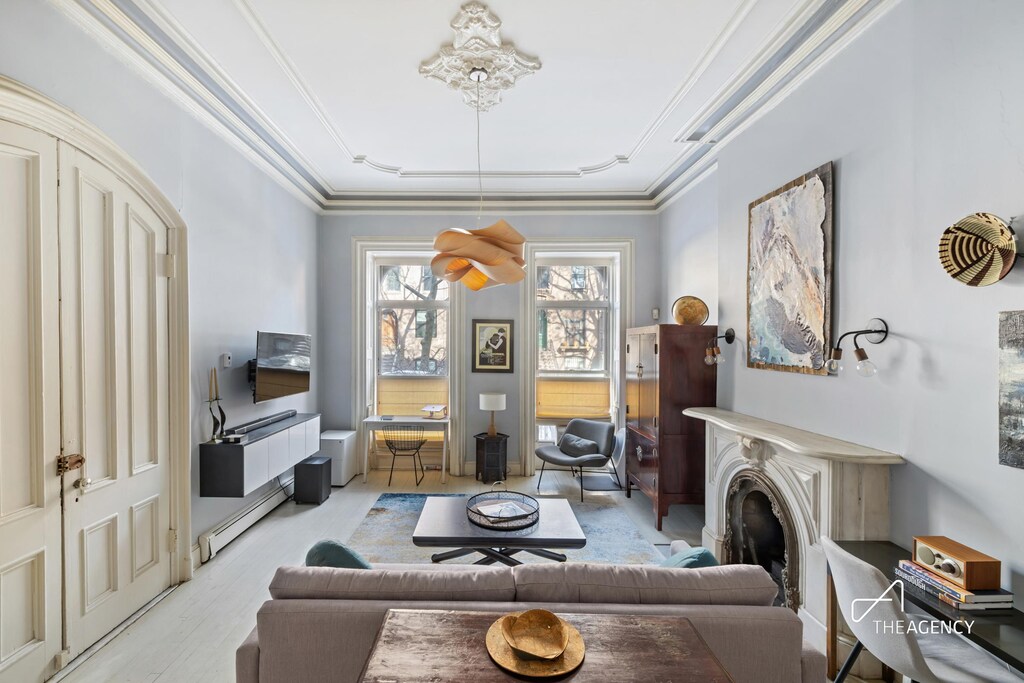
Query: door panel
{"x": 30, "y": 533}
{"x": 647, "y": 418}
{"x": 632, "y": 381}
{"x": 114, "y": 369}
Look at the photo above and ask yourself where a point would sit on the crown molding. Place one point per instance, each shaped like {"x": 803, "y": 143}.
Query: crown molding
{"x": 805, "y": 40}
{"x": 114, "y": 30}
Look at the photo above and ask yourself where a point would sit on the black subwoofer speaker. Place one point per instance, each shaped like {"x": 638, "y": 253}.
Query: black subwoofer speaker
{"x": 313, "y": 480}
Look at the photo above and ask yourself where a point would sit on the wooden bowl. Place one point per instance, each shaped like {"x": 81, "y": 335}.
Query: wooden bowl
{"x": 535, "y": 634}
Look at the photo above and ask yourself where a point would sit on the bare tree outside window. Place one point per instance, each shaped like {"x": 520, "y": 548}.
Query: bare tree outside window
{"x": 572, "y": 318}
{"x": 412, "y": 308}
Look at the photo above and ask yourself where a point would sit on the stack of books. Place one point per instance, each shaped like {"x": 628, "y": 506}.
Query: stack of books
{"x": 952, "y": 594}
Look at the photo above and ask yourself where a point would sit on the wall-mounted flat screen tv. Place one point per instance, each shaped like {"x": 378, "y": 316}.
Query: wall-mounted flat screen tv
{"x": 282, "y": 365}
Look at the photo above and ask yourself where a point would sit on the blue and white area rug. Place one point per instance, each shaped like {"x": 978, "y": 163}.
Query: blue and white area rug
{"x": 385, "y": 535}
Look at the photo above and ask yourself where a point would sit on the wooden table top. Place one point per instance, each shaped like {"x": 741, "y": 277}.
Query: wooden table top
{"x": 444, "y": 524}
{"x": 425, "y": 646}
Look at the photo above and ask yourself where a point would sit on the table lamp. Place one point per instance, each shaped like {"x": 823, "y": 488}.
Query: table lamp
{"x": 492, "y": 402}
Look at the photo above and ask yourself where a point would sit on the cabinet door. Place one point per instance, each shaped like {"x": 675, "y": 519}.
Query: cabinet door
{"x": 632, "y": 380}
{"x": 313, "y": 436}
{"x": 280, "y": 457}
{"x": 297, "y": 441}
{"x": 647, "y": 418}
{"x": 257, "y": 466}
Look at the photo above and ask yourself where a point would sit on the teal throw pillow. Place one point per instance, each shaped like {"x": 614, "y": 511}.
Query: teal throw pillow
{"x": 693, "y": 558}
{"x": 577, "y": 445}
{"x": 334, "y": 554}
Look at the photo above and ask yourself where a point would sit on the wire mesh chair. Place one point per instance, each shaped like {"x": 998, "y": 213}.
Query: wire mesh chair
{"x": 405, "y": 440}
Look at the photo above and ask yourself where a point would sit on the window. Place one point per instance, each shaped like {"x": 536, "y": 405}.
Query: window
{"x": 572, "y": 318}
{"x": 412, "y": 321}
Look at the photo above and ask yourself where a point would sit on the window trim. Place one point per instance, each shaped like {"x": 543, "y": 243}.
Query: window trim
{"x": 621, "y": 299}
{"x": 364, "y": 251}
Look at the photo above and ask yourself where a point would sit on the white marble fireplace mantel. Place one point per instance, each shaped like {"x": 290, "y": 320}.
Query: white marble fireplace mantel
{"x": 830, "y": 487}
{"x": 793, "y": 439}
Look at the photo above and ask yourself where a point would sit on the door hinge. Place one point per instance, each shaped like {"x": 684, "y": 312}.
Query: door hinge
{"x": 66, "y": 463}
{"x": 172, "y": 540}
{"x": 655, "y": 420}
{"x": 165, "y": 265}
{"x": 627, "y": 348}
{"x": 655, "y": 348}
{"x": 627, "y": 409}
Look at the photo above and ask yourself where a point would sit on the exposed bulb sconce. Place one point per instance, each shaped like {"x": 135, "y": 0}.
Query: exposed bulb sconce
{"x": 713, "y": 354}
{"x": 876, "y": 332}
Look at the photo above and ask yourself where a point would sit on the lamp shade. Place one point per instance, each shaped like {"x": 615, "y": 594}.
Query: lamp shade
{"x": 492, "y": 401}
{"x": 480, "y": 258}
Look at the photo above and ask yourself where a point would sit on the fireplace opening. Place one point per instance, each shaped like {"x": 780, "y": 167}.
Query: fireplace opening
{"x": 762, "y": 541}
{"x": 759, "y": 531}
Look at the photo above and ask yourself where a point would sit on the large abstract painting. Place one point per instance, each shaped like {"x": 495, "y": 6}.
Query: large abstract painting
{"x": 1011, "y": 388}
{"x": 789, "y": 276}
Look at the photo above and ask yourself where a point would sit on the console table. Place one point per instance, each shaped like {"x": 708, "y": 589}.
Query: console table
{"x": 422, "y": 646}
{"x": 1001, "y": 634}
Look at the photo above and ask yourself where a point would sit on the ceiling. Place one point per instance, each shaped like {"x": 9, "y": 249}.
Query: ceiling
{"x": 624, "y": 109}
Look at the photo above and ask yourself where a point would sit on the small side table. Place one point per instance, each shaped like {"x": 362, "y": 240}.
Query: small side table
{"x": 491, "y": 457}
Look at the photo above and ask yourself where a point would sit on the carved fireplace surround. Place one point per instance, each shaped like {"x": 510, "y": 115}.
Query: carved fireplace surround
{"x": 813, "y": 484}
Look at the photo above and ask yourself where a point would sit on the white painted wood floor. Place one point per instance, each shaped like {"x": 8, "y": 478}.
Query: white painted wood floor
{"x": 191, "y": 635}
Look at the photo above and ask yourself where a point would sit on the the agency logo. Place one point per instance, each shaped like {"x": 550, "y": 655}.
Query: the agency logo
{"x": 861, "y": 608}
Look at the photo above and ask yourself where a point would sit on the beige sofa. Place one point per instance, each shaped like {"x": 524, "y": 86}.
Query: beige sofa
{"x": 321, "y": 623}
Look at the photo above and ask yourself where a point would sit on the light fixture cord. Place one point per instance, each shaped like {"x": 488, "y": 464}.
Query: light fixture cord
{"x": 479, "y": 168}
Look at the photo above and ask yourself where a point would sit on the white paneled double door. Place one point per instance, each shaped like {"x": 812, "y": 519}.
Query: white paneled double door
{"x": 83, "y": 372}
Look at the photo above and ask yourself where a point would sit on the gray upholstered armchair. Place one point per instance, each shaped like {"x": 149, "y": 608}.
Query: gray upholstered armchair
{"x": 586, "y": 443}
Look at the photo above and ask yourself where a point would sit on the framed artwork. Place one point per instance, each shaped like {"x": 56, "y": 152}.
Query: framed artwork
{"x": 789, "y": 276}
{"x": 492, "y": 346}
{"x": 1011, "y": 388}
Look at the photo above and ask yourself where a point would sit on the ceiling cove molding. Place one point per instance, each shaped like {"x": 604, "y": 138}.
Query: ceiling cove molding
{"x": 832, "y": 38}
{"x": 839, "y": 22}
{"x": 113, "y": 29}
{"x": 188, "y": 44}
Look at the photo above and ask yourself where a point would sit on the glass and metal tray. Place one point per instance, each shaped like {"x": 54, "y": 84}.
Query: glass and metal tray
{"x": 503, "y": 510}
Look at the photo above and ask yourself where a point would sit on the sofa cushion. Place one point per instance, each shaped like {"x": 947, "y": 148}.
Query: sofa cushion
{"x": 691, "y": 558}
{"x": 736, "y": 584}
{"x": 329, "y": 583}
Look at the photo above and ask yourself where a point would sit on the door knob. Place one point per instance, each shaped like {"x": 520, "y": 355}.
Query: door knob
{"x": 82, "y": 484}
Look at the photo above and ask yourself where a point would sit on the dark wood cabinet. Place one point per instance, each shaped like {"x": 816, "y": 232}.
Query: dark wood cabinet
{"x": 665, "y": 374}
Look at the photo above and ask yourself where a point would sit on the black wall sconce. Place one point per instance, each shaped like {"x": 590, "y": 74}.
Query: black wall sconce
{"x": 876, "y": 332}
{"x": 713, "y": 354}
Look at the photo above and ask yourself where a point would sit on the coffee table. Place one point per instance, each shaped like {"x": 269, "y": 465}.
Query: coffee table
{"x": 443, "y": 524}
{"x": 423, "y": 646}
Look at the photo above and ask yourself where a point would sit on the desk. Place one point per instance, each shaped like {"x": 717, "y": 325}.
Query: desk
{"x": 422, "y": 646}
{"x": 1000, "y": 634}
{"x": 375, "y": 422}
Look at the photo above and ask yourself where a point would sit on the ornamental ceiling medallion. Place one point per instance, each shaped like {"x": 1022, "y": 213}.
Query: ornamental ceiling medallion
{"x": 477, "y": 44}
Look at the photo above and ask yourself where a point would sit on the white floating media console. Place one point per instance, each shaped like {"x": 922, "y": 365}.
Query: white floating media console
{"x": 266, "y": 450}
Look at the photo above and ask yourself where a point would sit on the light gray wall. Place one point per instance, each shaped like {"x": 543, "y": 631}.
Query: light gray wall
{"x": 252, "y": 246}
{"x": 922, "y": 118}
{"x": 689, "y": 248}
{"x": 336, "y": 264}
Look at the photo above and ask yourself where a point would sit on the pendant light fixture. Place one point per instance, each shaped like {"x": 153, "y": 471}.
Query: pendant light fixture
{"x": 483, "y": 257}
